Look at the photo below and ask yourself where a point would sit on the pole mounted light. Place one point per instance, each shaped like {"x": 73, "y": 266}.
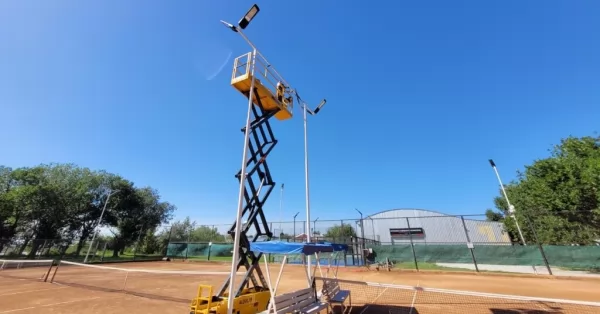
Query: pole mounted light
{"x": 511, "y": 208}
{"x": 98, "y": 224}
{"x": 242, "y": 24}
{"x": 312, "y": 113}
{"x": 295, "y": 225}
{"x": 362, "y": 227}
{"x": 245, "y": 21}
{"x": 280, "y": 211}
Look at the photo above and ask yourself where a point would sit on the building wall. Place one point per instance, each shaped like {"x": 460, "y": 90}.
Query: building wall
{"x": 437, "y": 227}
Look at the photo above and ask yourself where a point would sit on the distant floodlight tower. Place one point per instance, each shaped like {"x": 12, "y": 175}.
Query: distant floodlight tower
{"x": 511, "y": 208}
{"x": 98, "y": 224}
{"x": 306, "y": 110}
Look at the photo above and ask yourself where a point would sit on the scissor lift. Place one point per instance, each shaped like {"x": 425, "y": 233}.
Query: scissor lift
{"x": 271, "y": 98}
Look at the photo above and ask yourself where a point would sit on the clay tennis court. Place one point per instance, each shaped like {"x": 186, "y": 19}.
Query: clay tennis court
{"x": 80, "y": 289}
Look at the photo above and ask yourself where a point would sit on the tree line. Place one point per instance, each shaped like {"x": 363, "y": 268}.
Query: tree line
{"x": 63, "y": 202}
{"x": 556, "y": 199}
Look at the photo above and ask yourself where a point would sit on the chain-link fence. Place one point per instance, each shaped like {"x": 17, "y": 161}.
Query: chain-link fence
{"x": 103, "y": 249}
{"x": 452, "y": 243}
{"x": 467, "y": 242}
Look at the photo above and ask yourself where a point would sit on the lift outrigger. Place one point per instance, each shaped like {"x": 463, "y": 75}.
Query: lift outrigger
{"x": 271, "y": 96}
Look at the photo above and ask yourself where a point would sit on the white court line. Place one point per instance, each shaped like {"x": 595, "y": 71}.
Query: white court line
{"x": 27, "y": 291}
{"x": 412, "y": 304}
{"x": 366, "y": 307}
{"x": 382, "y": 292}
{"x": 46, "y": 305}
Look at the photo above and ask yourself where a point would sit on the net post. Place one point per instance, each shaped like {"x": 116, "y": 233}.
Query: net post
{"x": 48, "y": 272}
{"x": 412, "y": 245}
{"x": 469, "y": 243}
{"x": 55, "y": 271}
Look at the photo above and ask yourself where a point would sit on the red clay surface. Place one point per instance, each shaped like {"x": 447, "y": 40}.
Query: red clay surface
{"x": 98, "y": 291}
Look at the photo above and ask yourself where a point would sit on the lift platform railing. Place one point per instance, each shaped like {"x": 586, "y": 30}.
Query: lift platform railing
{"x": 266, "y": 73}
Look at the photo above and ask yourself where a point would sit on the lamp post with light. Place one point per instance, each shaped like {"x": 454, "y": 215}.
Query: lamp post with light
{"x": 511, "y": 208}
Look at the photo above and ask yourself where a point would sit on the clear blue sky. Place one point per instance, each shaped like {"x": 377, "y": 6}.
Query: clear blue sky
{"x": 420, "y": 95}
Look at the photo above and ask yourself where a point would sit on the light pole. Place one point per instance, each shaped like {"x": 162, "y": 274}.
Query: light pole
{"x": 315, "y": 226}
{"x": 280, "y": 211}
{"x": 362, "y": 226}
{"x": 242, "y": 24}
{"x": 295, "y": 225}
{"x": 137, "y": 244}
{"x": 373, "y": 227}
{"x": 97, "y": 224}
{"x": 305, "y": 110}
{"x": 511, "y": 208}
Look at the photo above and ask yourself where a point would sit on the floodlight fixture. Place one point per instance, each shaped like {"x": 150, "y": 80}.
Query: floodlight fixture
{"x": 323, "y": 102}
{"x": 245, "y": 21}
{"x": 511, "y": 208}
{"x": 314, "y": 112}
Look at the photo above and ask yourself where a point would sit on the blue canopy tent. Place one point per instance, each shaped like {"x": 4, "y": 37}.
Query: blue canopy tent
{"x": 278, "y": 247}
{"x": 291, "y": 248}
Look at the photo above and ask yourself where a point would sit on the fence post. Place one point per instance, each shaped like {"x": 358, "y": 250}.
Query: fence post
{"x": 103, "y": 251}
{"x": 168, "y": 242}
{"x": 412, "y": 245}
{"x": 96, "y": 249}
{"x": 43, "y": 247}
{"x": 469, "y": 243}
{"x": 305, "y": 232}
{"x": 530, "y": 223}
{"x": 187, "y": 245}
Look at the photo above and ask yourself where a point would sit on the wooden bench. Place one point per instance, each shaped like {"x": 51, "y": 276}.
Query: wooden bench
{"x": 302, "y": 301}
{"x": 334, "y": 294}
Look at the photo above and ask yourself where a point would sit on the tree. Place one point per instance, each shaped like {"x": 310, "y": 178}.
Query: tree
{"x": 137, "y": 210}
{"x": 58, "y": 203}
{"x": 340, "y": 231}
{"x": 492, "y": 215}
{"x": 181, "y": 230}
{"x": 559, "y": 196}
{"x": 206, "y": 234}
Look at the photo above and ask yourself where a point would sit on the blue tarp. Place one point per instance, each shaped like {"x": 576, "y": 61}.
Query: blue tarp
{"x": 338, "y": 247}
{"x": 278, "y": 247}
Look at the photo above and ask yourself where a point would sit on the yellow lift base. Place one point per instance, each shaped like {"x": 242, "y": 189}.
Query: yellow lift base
{"x": 272, "y": 92}
{"x": 250, "y": 301}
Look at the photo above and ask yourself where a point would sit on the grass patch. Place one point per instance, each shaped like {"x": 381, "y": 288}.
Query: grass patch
{"x": 593, "y": 269}
{"x": 425, "y": 266}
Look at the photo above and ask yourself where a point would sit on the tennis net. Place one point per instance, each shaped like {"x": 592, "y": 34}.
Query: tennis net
{"x": 372, "y": 297}
{"x": 26, "y": 269}
{"x": 170, "y": 285}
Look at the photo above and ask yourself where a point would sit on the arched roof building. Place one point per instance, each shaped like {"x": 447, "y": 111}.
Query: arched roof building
{"x": 426, "y": 226}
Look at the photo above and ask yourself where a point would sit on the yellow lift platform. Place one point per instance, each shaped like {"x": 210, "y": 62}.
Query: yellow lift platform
{"x": 271, "y": 89}
{"x": 250, "y": 301}
{"x": 272, "y": 96}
